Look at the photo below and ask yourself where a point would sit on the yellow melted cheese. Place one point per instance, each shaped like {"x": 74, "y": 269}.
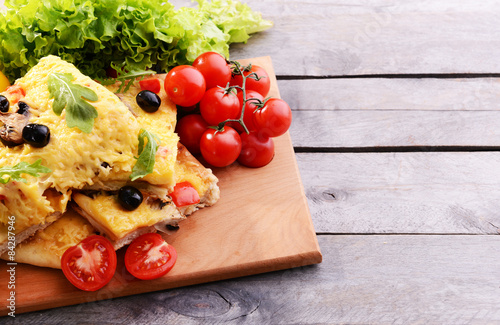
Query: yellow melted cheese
{"x": 118, "y": 222}
{"x": 76, "y": 158}
{"x": 47, "y": 246}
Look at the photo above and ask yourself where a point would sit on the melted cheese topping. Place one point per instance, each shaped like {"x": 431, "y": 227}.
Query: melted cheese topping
{"x": 47, "y": 246}
{"x": 162, "y": 124}
{"x": 118, "y": 222}
{"x": 77, "y": 159}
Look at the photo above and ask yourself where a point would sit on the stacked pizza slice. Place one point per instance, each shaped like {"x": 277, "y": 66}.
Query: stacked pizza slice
{"x": 104, "y": 150}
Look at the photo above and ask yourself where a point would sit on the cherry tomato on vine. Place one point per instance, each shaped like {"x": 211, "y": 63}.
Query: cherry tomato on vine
{"x": 261, "y": 86}
{"x": 150, "y": 257}
{"x": 91, "y": 264}
{"x": 185, "y": 85}
{"x": 217, "y": 106}
{"x": 274, "y": 119}
{"x": 190, "y": 128}
{"x": 256, "y": 150}
{"x": 250, "y": 108}
{"x": 214, "y": 68}
{"x": 220, "y": 148}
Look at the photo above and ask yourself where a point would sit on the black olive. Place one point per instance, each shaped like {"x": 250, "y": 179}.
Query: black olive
{"x": 23, "y": 108}
{"x": 4, "y": 104}
{"x": 148, "y": 101}
{"x": 129, "y": 197}
{"x": 37, "y": 135}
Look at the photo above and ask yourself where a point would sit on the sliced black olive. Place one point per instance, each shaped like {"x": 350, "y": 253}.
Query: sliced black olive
{"x": 23, "y": 108}
{"x": 129, "y": 197}
{"x": 4, "y": 104}
{"x": 37, "y": 135}
{"x": 148, "y": 101}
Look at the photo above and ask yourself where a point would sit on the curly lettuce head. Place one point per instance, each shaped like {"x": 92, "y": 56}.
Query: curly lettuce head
{"x": 127, "y": 35}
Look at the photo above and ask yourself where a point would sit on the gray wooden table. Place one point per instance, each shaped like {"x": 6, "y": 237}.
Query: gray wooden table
{"x": 397, "y": 135}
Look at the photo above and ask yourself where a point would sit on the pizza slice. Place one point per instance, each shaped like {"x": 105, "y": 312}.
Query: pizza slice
{"x": 120, "y": 226}
{"x": 93, "y": 144}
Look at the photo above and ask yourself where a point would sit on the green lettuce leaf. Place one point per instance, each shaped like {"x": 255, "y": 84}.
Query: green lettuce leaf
{"x": 8, "y": 173}
{"x": 127, "y": 35}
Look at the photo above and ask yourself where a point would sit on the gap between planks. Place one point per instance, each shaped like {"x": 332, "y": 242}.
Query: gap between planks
{"x": 399, "y": 234}
{"x": 301, "y": 149}
{"x": 394, "y": 76}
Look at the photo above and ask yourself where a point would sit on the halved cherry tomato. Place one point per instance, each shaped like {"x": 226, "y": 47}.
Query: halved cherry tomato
{"x": 190, "y": 128}
{"x": 262, "y": 86}
{"x": 214, "y": 68}
{"x": 217, "y": 106}
{"x": 184, "y": 194}
{"x": 220, "y": 148}
{"x": 274, "y": 119}
{"x": 150, "y": 257}
{"x": 257, "y": 150}
{"x": 151, "y": 84}
{"x": 91, "y": 264}
{"x": 185, "y": 85}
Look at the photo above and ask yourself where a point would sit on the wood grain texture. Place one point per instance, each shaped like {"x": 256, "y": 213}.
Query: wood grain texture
{"x": 380, "y": 128}
{"x": 382, "y": 279}
{"x": 334, "y": 38}
{"x": 414, "y": 192}
{"x": 253, "y": 228}
{"x": 378, "y": 112}
{"x": 392, "y": 94}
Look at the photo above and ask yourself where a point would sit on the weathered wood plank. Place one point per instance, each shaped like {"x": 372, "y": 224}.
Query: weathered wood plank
{"x": 394, "y": 112}
{"x": 358, "y": 128}
{"x": 325, "y": 38}
{"x": 363, "y": 280}
{"x": 413, "y": 192}
{"x": 421, "y": 94}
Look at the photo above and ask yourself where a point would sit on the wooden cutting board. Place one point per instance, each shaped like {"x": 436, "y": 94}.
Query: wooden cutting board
{"x": 261, "y": 224}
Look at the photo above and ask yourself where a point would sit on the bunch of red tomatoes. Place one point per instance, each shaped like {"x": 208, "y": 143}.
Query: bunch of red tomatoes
{"x": 228, "y": 116}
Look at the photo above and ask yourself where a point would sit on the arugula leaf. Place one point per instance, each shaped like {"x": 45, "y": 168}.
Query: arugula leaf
{"x": 126, "y": 79}
{"x": 79, "y": 113}
{"x": 14, "y": 173}
{"x": 146, "y": 160}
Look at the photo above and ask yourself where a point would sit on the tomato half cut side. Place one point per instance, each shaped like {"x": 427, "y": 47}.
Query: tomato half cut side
{"x": 184, "y": 194}
{"x": 150, "y": 257}
{"x": 91, "y": 264}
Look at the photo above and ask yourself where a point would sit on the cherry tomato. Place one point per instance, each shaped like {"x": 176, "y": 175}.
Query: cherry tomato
{"x": 261, "y": 86}
{"x": 274, "y": 119}
{"x": 256, "y": 150}
{"x": 149, "y": 257}
{"x": 190, "y": 128}
{"x": 151, "y": 84}
{"x": 217, "y": 106}
{"x": 91, "y": 264}
{"x": 220, "y": 148}
{"x": 111, "y": 73}
{"x": 185, "y": 85}
{"x": 214, "y": 68}
{"x": 250, "y": 108}
{"x": 184, "y": 194}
